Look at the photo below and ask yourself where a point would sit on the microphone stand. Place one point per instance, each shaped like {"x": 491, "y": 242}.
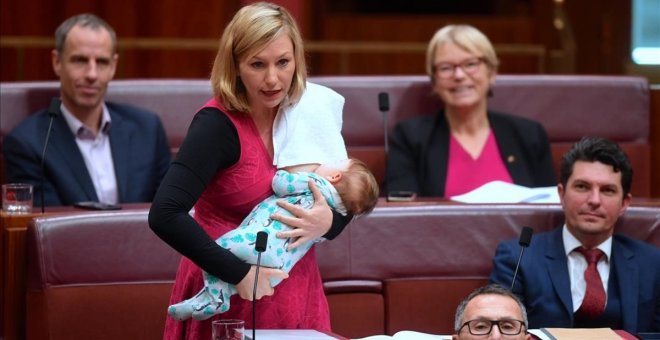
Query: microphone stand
{"x": 260, "y": 247}
{"x": 53, "y": 111}
{"x": 524, "y": 241}
{"x": 515, "y": 273}
{"x": 384, "y": 106}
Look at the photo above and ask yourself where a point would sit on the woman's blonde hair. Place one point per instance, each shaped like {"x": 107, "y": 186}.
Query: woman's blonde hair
{"x": 252, "y": 28}
{"x": 358, "y": 188}
{"x": 466, "y": 37}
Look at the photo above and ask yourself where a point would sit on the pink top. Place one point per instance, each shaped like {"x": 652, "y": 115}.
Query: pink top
{"x": 465, "y": 173}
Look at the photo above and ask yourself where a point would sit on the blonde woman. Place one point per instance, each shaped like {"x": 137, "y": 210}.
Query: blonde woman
{"x": 224, "y": 168}
{"x": 465, "y": 145}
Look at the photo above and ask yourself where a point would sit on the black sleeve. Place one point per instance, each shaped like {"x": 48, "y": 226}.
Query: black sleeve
{"x": 339, "y": 222}
{"x": 211, "y": 145}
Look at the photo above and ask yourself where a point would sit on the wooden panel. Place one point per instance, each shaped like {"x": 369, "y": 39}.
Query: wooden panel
{"x": 602, "y": 34}
{"x": 655, "y": 140}
{"x": 379, "y": 28}
{"x": 357, "y": 315}
{"x": 434, "y": 301}
{"x": 12, "y": 270}
{"x": 130, "y": 19}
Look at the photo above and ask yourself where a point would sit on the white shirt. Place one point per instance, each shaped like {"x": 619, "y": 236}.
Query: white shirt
{"x": 97, "y": 154}
{"x": 577, "y": 264}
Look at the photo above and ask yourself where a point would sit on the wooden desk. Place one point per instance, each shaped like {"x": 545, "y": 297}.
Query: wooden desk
{"x": 12, "y": 268}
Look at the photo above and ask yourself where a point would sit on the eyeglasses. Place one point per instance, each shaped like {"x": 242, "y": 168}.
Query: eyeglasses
{"x": 447, "y": 70}
{"x": 484, "y": 327}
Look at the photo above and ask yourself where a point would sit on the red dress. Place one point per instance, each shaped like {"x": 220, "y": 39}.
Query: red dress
{"x": 299, "y": 301}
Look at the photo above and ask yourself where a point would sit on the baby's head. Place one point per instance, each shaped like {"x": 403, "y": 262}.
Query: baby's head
{"x": 354, "y": 182}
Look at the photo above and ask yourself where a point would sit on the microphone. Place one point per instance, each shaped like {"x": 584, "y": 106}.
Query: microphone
{"x": 525, "y": 240}
{"x": 53, "y": 112}
{"x": 260, "y": 247}
{"x": 384, "y": 106}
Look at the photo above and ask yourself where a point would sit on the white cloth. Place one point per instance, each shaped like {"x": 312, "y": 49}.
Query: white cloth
{"x": 310, "y": 131}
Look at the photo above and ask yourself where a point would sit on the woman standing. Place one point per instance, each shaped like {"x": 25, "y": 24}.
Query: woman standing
{"x": 465, "y": 145}
{"x": 224, "y": 168}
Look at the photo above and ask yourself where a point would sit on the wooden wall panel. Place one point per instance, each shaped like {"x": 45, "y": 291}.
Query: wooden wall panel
{"x": 416, "y": 29}
{"x": 655, "y": 140}
{"x": 602, "y": 34}
{"x": 27, "y": 64}
{"x": 601, "y": 29}
{"x": 421, "y": 28}
{"x": 202, "y": 19}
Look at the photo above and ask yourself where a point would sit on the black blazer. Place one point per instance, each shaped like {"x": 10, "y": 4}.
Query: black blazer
{"x": 419, "y": 149}
{"x": 140, "y": 153}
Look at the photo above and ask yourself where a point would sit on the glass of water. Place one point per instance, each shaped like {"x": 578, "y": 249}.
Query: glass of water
{"x": 228, "y": 329}
{"x": 17, "y": 198}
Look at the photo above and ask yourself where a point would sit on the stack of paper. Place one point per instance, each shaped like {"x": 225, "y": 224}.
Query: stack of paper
{"x": 287, "y": 334}
{"x": 575, "y": 334}
{"x": 502, "y": 192}
{"x": 408, "y": 335}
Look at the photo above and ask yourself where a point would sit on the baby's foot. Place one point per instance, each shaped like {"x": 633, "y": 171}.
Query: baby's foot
{"x": 186, "y": 309}
{"x": 219, "y": 304}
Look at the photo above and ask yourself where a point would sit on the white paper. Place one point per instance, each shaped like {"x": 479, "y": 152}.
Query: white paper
{"x": 408, "y": 335}
{"x": 539, "y": 334}
{"x": 287, "y": 334}
{"x": 502, "y": 192}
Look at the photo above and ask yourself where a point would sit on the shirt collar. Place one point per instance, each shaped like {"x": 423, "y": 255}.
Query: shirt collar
{"x": 77, "y": 127}
{"x": 570, "y": 243}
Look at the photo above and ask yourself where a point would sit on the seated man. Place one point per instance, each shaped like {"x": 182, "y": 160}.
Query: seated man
{"x": 583, "y": 275}
{"x": 97, "y": 151}
{"x": 491, "y": 311}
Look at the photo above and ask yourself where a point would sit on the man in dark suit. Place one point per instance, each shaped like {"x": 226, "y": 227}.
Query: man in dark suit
{"x": 97, "y": 151}
{"x": 583, "y": 275}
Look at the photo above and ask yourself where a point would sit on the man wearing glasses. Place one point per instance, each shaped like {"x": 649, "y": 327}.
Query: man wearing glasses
{"x": 491, "y": 312}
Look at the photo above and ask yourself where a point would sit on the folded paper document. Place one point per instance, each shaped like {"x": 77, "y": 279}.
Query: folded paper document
{"x": 575, "y": 334}
{"x": 408, "y": 335}
{"x": 502, "y": 192}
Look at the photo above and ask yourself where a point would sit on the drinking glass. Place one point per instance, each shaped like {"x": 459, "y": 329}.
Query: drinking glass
{"x": 17, "y": 198}
{"x": 230, "y": 329}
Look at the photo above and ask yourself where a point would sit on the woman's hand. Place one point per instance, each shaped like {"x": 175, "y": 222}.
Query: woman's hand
{"x": 307, "y": 224}
{"x": 246, "y": 286}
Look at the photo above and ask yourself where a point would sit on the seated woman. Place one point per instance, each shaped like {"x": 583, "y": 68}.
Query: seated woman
{"x": 465, "y": 145}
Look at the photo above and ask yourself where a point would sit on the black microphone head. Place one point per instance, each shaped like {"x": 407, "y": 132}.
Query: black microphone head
{"x": 54, "y": 107}
{"x": 526, "y": 236}
{"x": 383, "y": 101}
{"x": 262, "y": 241}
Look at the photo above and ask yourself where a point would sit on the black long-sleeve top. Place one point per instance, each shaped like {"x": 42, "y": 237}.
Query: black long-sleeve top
{"x": 211, "y": 145}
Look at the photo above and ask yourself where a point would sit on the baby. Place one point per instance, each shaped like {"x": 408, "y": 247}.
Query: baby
{"x": 348, "y": 186}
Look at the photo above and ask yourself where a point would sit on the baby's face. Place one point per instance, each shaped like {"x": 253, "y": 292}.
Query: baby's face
{"x": 331, "y": 169}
